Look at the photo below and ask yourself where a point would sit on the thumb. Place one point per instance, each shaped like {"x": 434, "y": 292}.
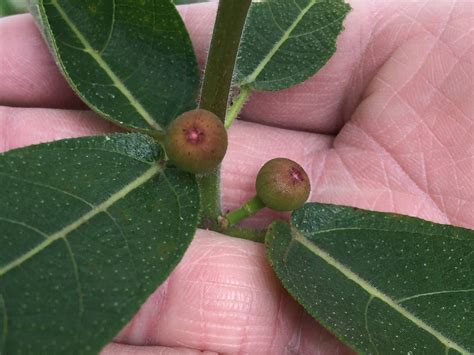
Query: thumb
{"x": 223, "y": 297}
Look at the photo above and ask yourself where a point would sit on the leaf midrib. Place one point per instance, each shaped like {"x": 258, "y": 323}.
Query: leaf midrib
{"x": 110, "y": 73}
{"x": 102, "y": 207}
{"x": 372, "y": 291}
{"x": 286, "y": 35}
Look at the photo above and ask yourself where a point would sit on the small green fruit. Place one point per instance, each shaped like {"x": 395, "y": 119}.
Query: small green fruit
{"x": 282, "y": 185}
{"x": 196, "y": 141}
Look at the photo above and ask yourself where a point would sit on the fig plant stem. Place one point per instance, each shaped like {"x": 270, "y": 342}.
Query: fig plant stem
{"x": 236, "y": 107}
{"x": 222, "y": 56}
{"x": 254, "y": 235}
{"x": 228, "y": 28}
{"x": 248, "y": 209}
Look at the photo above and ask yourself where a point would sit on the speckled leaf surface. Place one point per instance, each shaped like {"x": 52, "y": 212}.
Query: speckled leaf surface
{"x": 383, "y": 283}
{"x": 88, "y": 229}
{"x": 131, "y": 61}
{"x": 286, "y": 42}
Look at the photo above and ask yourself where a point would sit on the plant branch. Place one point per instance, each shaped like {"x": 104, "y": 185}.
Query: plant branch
{"x": 210, "y": 199}
{"x": 222, "y": 55}
{"x": 237, "y": 105}
{"x": 248, "y": 209}
{"x": 255, "y": 235}
{"x": 228, "y": 28}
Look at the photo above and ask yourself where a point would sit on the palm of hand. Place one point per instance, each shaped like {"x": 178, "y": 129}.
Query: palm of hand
{"x": 386, "y": 125}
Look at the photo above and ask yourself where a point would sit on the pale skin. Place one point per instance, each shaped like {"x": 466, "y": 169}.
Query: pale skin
{"x": 387, "y": 125}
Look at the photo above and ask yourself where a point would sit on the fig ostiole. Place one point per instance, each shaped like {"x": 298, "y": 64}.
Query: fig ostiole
{"x": 196, "y": 141}
{"x": 281, "y": 185}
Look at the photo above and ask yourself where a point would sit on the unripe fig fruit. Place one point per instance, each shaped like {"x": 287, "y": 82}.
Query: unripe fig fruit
{"x": 282, "y": 185}
{"x": 196, "y": 141}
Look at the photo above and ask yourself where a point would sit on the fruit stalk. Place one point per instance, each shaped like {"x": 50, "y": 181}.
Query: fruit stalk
{"x": 248, "y": 209}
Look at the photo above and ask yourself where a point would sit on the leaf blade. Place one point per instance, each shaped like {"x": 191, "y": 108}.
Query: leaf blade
{"x": 287, "y": 55}
{"x": 96, "y": 260}
{"x": 359, "y": 293}
{"x": 118, "y": 54}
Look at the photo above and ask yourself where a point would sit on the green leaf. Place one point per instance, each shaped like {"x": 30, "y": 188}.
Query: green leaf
{"x": 383, "y": 283}
{"x": 131, "y": 61}
{"x": 88, "y": 229}
{"x": 286, "y": 42}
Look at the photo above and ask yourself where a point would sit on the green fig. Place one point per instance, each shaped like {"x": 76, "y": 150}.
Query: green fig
{"x": 196, "y": 141}
{"x": 282, "y": 185}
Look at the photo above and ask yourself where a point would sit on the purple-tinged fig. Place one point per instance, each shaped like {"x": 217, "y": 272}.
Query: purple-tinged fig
{"x": 282, "y": 185}
{"x": 196, "y": 141}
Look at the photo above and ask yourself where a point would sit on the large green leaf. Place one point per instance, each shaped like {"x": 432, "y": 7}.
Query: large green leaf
{"x": 88, "y": 229}
{"x": 286, "y": 42}
{"x": 131, "y": 61}
{"x": 384, "y": 283}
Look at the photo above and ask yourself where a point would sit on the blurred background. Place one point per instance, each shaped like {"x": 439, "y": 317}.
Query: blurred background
{"x": 11, "y": 7}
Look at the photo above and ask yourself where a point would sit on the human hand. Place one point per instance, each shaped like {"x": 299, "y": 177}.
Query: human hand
{"x": 386, "y": 125}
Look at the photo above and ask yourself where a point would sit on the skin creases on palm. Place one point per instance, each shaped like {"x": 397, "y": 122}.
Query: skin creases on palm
{"x": 386, "y": 125}
{"x": 397, "y": 95}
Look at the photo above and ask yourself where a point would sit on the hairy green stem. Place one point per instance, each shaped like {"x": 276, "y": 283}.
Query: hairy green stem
{"x": 255, "y": 235}
{"x": 248, "y": 209}
{"x": 237, "y": 105}
{"x": 222, "y": 55}
{"x": 230, "y": 21}
{"x": 210, "y": 199}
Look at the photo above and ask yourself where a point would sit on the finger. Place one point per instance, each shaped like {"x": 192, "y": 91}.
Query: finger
{"x": 352, "y": 170}
{"x": 21, "y": 127}
{"x": 373, "y": 30}
{"x": 347, "y": 173}
{"x": 224, "y": 297}
{"x": 250, "y": 146}
{"x": 28, "y": 74}
{"x": 62, "y": 123}
{"x": 418, "y": 117}
{"x": 124, "y": 349}
{"x": 199, "y": 20}
{"x": 321, "y": 104}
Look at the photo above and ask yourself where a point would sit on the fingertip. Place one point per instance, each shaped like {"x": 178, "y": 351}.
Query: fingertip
{"x": 28, "y": 73}
{"x": 124, "y": 349}
{"x": 224, "y": 297}
{"x": 199, "y": 20}
{"x": 20, "y": 127}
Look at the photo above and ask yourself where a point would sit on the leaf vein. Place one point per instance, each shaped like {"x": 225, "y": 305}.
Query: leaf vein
{"x": 404, "y": 299}
{"x": 102, "y": 207}
{"x": 25, "y": 225}
{"x": 47, "y": 186}
{"x": 337, "y": 20}
{"x": 372, "y": 290}
{"x": 286, "y": 35}
{"x": 366, "y": 322}
{"x": 110, "y": 73}
{"x": 76, "y": 276}
{"x": 111, "y": 30}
